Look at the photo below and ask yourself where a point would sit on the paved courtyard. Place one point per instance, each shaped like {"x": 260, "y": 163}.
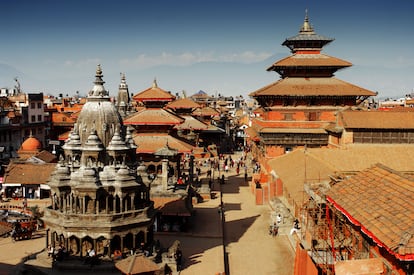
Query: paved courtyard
{"x": 249, "y": 247}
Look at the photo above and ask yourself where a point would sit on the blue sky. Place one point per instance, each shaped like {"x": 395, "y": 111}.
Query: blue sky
{"x": 216, "y": 46}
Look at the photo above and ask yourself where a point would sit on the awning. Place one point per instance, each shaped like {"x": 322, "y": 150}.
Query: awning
{"x": 12, "y": 184}
{"x": 44, "y": 187}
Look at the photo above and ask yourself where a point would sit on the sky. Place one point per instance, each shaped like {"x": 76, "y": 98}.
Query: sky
{"x": 218, "y": 46}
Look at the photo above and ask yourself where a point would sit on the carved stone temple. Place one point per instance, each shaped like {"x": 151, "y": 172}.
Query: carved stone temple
{"x": 98, "y": 202}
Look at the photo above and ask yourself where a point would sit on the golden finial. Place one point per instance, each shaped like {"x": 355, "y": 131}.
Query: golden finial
{"x": 306, "y": 25}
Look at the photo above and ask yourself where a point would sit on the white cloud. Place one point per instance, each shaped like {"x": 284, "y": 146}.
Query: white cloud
{"x": 189, "y": 58}
{"x": 82, "y": 63}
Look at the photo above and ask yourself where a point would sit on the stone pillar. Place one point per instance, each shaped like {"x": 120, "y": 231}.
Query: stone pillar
{"x": 70, "y": 203}
{"x": 132, "y": 202}
{"x": 83, "y": 205}
{"x": 114, "y": 204}
{"x": 65, "y": 210}
{"x": 96, "y": 206}
{"x": 164, "y": 177}
{"x": 47, "y": 237}
{"x": 106, "y": 204}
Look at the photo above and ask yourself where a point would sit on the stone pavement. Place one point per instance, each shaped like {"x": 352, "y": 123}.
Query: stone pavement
{"x": 249, "y": 247}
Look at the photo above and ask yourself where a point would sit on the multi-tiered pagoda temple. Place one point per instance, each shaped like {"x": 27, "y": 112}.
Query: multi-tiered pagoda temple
{"x": 301, "y": 108}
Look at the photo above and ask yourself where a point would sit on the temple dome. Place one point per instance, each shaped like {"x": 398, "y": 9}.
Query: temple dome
{"x": 98, "y": 114}
{"x": 31, "y": 144}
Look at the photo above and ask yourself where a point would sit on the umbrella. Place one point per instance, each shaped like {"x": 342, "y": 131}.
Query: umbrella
{"x": 136, "y": 264}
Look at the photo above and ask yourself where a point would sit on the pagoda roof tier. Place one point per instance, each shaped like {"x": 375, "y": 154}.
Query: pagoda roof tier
{"x": 307, "y": 38}
{"x": 183, "y": 103}
{"x": 154, "y": 93}
{"x": 150, "y": 143}
{"x": 311, "y": 87}
{"x": 259, "y": 124}
{"x": 309, "y": 60}
{"x": 153, "y": 116}
{"x": 206, "y": 111}
{"x": 191, "y": 123}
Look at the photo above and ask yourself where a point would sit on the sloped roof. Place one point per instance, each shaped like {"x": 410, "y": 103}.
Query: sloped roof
{"x": 380, "y": 200}
{"x": 191, "y": 123}
{"x": 151, "y": 142}
{"x": 377, "y": 119}
{"x": 153, "y": 116}
{"x": 46, "y": 156}
{"x": 318, "y": 164}
{"x": 278, "y": 126}
{"x": 313, "y": 86}
{"x": 183, "y": 103}
{"x": 136, "y": 264}
{"x": 28, "y": 173}
{"x": 310, "y": 60}
{"x": 206, "y": 111}
{"x": 154, "y": 93}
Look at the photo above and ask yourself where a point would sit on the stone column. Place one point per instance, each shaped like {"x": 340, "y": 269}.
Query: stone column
{"x": 83, "y": 205}
{"x": 47, "y": 237}
{"x": 164, "y": 177}
{"x": 106, "y": 204}
{"x": 132, "y": 202}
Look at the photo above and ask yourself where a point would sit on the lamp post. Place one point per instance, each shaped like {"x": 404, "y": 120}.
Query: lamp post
{"x": 223, "y": 230}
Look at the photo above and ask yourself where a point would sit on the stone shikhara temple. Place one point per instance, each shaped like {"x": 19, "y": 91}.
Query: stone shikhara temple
{"x": 98, "y": 202}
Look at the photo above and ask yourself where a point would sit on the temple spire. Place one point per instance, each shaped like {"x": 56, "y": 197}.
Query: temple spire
{"x": 98, "y": 89}
{"x": 154, "y": 83}
{"x": 306, "y": 27}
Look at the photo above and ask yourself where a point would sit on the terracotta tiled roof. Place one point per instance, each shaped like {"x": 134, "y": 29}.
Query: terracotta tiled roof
{"x": 321, "y": 163}
{"x": 252, "y": 133}
{"x": 153, "y": 116}
{"x": 151, "y": 142}
{"x": 191, "y": 123}
{"x": 28, "y": 173}
{"x": 206, "y": 111}
{"x": 314, "y": 86}
{"x": 377, "y": 119}
{"x": 310, "y": 60}
{"x": 379, "y": 200}
{"x": 153, "y": 93}
{"x": 46, "y": 156}
{"x": 183, "y": 103}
